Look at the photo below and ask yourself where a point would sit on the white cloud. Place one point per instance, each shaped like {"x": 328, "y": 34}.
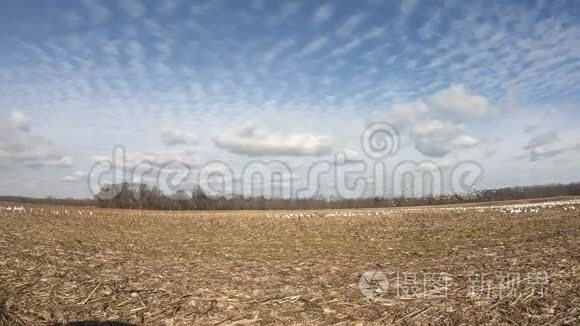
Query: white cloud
{"x": 71, "y": 179}
{"x": 359, "y": 40}
{"x": 76, "y": 177}
{"x": 323, "y": 13}
{"x": 130, "y": 87}
{"x": 548, "y": 145}
{"x": 458, "y": 100}
{"x": 18, "y": 145}
{"x": 30, "y": 150}
{"x": 201, "y": 8}
{"x": 133, "y": 8}
{"x": 540, "y": 153}
{"x": 257, "y": 4}
{"x": 63, "y": 162}
{"x": 173, "y": 137}
{"x": 351, "y": 24}
{"x": 252, "y": 141}
{"x": 19, "y": 121}
{"x": 314, "y": 46}
{"x": 277, "y": 50}
{"x": 542, "y": 140}
{"x": 404, "y": 115}
{"x": 168, "y": 7}
{"x": 408, "y": 7}
{"x": 438, "y": 138}
{"x": 151, "y": 162}
{"x": 99, "y": 13}
{"x": 290, "y": 8}
{"x": 530, "y": 128}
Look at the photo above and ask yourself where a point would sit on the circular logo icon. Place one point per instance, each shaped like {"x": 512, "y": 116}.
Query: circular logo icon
{"x": 380, "y": 140}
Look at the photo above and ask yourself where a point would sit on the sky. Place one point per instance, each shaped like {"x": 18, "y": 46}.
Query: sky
{"x": 231, "y": 83}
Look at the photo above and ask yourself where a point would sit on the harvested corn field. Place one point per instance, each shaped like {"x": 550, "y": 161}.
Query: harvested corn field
{"x": 385, "y": 266}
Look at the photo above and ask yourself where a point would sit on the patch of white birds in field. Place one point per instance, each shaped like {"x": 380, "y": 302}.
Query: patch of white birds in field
{"x": 566, "y": 205}
{"x": 21, "y": 209}
{"x": 299, "y": 215}
{"x": 359, "y": 213}
{"x": 533, "y": 208}
{"x": 354, "y": 213}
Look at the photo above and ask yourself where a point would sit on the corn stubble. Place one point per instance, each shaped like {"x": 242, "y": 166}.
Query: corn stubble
{"x": 253, "y": 267}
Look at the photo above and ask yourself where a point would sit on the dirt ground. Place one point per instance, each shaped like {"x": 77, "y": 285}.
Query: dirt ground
{"x": 243, "y": 268}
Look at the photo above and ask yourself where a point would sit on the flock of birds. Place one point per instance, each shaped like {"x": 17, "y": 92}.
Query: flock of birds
{"x": 22, "y": 209}
{"x": 521, "y": 208}
{"x": 335, "y": 214}
{"x": 566, "y": 205}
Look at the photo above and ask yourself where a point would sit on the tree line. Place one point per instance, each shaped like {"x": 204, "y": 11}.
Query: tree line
{"x": 142, "y": 196}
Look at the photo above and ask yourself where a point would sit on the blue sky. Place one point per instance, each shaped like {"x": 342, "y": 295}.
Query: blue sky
{"x": 493, "y": 82}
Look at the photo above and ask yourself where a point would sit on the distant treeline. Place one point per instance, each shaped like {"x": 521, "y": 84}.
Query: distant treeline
{"x": 141, "y": 196}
